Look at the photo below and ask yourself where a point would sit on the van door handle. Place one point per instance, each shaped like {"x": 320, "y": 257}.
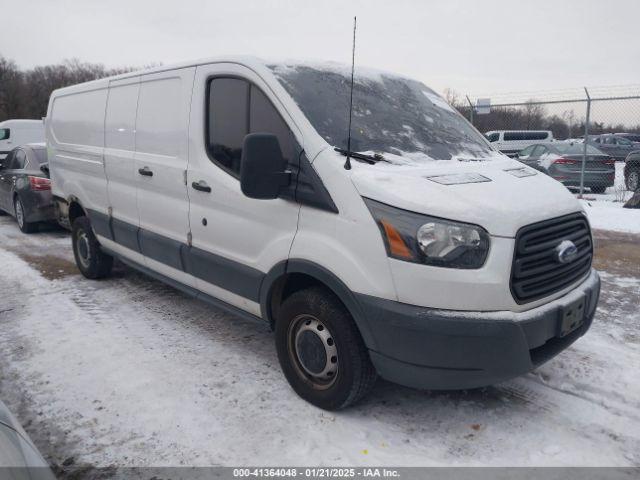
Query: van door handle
{"x": 201, "y": 186}
{"x": 145, "y": 171}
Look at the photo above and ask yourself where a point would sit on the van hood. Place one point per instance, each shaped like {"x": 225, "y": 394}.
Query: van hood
{"x": 500, "y": 195}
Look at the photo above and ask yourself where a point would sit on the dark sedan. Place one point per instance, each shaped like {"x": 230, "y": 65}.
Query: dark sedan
{"x": 25, "y": 188}
{"x": 563, "y": 161}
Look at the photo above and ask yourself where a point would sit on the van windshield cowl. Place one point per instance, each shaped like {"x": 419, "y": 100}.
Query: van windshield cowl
{"x": 397, "y": 117}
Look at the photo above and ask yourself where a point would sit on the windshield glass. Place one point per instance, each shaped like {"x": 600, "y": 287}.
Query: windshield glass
{"x": 391, "y": 115}
{"x": 576, "y": 148}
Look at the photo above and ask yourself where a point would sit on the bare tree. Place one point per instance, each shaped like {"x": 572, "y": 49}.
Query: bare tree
{"x": 11, "y": 90}
{"x": 25, "y": 94}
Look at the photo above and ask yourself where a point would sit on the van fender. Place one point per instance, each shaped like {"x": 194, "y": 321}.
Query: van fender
{"x": 100, "y": 221}
{"x": 326, "y": 278}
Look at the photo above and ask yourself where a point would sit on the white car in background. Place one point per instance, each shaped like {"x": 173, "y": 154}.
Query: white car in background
{"x": 14, "y": 133}
{"x": 511, "y": 142}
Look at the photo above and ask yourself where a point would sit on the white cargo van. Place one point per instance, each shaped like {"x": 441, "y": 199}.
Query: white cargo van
{"x": 408, "y": 259}
{"x": 511, "y": 142}
{"x": 14, "y": 133}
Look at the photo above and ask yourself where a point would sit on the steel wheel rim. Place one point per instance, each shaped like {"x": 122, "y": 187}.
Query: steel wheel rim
{"x": 634, "y": 179}
{"x": 82, "y": 247}
{"x": 308, "y": 340}
{"x": 19, "y": 214}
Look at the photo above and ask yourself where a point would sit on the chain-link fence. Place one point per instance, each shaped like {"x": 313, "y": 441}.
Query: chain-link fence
{"x": 584, "y": 138}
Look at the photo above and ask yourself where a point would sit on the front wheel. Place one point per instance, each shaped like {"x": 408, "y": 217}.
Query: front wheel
{"x": 92, "y": 262}
{"x": 25, "y": 227}
{"x": 321, "y": 351}
{"x": 633, "y": 180}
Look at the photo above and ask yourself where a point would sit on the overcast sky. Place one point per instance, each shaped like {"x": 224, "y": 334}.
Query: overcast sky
{"x": 475, "y": 47}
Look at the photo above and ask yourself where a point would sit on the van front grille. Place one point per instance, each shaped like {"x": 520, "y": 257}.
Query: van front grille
{"x": 536, "y": 271}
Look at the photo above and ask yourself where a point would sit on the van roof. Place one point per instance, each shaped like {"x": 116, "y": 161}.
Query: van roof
{"x": 245, "y": 60}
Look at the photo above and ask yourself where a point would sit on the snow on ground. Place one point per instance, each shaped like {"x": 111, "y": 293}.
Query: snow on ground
{"x": 605, "y": 210}
{"x": 129, "y": 372}
{"x": 605, "y": 215}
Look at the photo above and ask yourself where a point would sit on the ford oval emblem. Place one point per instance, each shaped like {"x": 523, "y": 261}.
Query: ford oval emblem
{"x": 566, "y": 251}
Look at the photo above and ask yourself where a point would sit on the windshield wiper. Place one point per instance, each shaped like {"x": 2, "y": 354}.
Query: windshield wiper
{"x": 370, "y": 159}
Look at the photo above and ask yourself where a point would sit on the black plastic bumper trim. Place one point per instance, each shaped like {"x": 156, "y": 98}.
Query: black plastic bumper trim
{"x": 435, "y": 349}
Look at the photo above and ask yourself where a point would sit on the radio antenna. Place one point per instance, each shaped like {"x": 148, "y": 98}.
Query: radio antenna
{"x": 347, "y": 163}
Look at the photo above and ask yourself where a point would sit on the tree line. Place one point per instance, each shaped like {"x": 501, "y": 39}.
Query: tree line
{"x": 25, "y": 93}
{"x": 534, "y": 116}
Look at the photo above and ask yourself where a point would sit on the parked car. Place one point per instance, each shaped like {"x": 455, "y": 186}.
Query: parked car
{"x": 19, "y": 458}
{"x": 406, "y": 257}
{"x": 632, "y": 171}
{"x": 616, "y": 146}
{"x": 14, "y": 133}
{"x": 563, "y": 161}
{"x": 511, "y": 142}
{"x": 634, "y": 137}
{"x": 25, "y": 188}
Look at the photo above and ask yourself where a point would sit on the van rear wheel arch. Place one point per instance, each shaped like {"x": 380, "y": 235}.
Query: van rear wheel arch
{"x": 75, "y": 210}
{"x": 289, "y": 277}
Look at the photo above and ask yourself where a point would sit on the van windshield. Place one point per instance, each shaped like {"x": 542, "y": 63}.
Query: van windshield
{"x": 394, "y": 116}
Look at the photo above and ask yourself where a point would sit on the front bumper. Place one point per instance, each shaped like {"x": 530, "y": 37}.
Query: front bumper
{"x": 449, "y": 350}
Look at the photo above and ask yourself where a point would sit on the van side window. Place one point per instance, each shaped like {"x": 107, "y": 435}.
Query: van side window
{"x": 264, "y": 118}
{"x": 493, "y": 137}
{"x": 5, "y": 134}
{"x": 228, "y": 121}
{"x": 236, "y": 108}
{"x": 525, "y": 135}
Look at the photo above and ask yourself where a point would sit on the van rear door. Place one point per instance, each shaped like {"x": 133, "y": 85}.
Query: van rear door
{"x": 235, "y": 239}
{"x": 161, "y": 159}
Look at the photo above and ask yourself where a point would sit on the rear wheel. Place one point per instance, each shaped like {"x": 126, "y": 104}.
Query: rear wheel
{"x": 633, "y": 180}
{"x": 599, "y": 189}
{"x": 321, "y": 351}
{"x": 92, "y": 262}
{"x": 25, "y": 227}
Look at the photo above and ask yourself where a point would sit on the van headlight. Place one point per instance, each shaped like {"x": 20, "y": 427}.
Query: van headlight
{"x": 418, "y": 238}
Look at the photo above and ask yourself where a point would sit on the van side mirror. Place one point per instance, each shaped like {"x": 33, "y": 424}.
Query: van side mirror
{"x": 263, "y": 168}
